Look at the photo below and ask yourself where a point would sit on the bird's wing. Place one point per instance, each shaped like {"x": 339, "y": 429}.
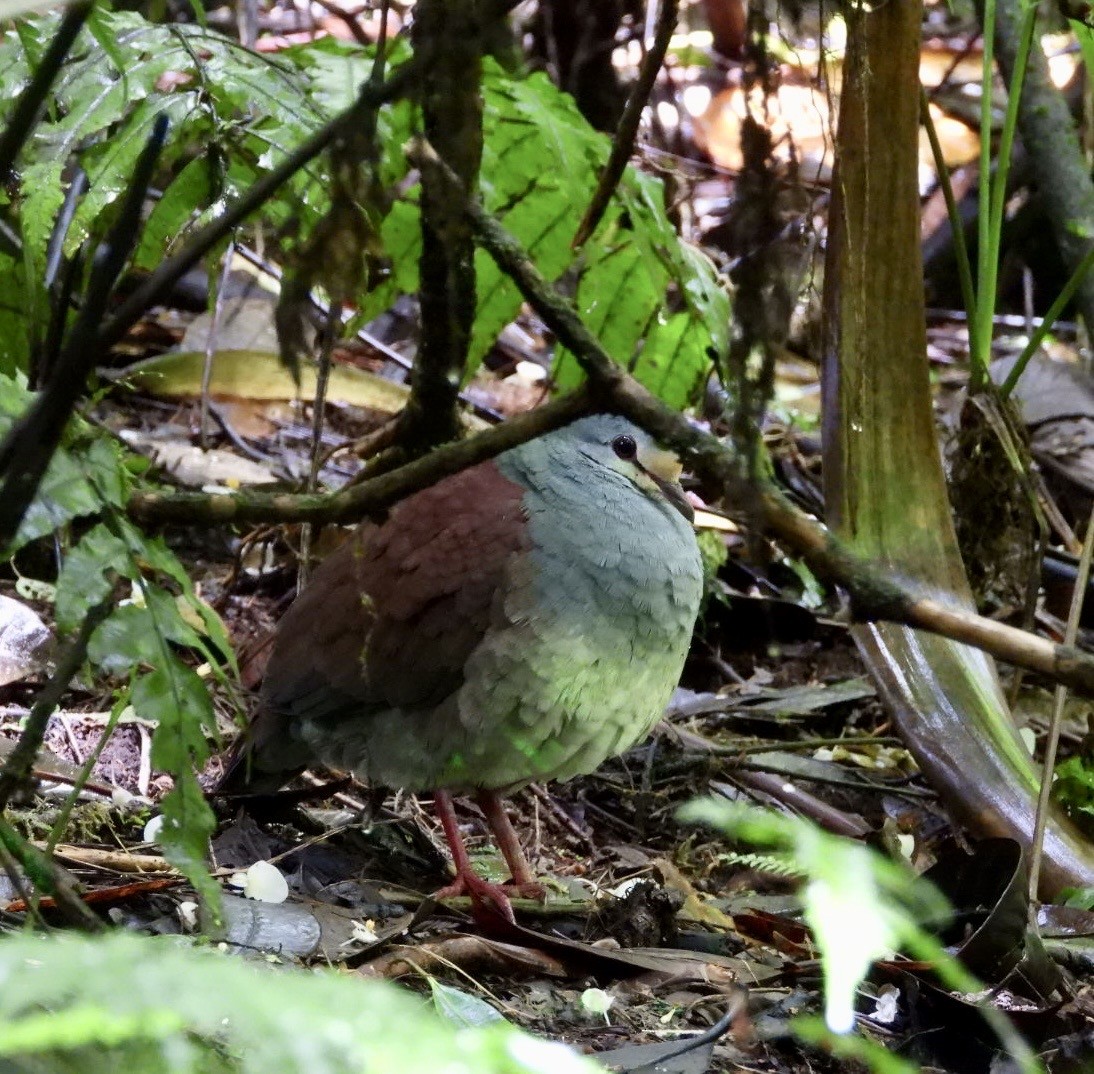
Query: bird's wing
{"x": 388, "y": 621}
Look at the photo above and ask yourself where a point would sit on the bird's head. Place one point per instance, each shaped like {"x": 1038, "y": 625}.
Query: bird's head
{"x": 609, "y": 441}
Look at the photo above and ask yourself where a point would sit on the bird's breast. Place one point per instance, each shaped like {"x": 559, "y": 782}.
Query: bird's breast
{"x": 589, "y": 643}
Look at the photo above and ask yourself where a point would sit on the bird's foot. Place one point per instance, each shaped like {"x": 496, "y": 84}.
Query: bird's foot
{"x": 491, "y": 898}
{"x": 529, "y": 889}
{"x": 489, "y": 902}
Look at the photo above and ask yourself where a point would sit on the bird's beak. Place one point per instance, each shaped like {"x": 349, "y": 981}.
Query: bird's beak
{"x": 663, "y": 469}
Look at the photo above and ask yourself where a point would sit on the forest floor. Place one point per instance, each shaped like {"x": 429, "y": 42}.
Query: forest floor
{"x": 653, "y": 933}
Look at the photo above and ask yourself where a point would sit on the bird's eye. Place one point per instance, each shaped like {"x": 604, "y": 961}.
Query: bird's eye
{"x": 625, "y": 447}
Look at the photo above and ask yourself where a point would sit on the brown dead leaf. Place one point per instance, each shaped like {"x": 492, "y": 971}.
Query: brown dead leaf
{"x": 474, "y": 955}
{"x": 695, "y": 907}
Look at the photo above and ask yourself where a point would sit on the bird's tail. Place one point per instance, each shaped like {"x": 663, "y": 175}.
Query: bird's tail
{"x": 243, "y": 774}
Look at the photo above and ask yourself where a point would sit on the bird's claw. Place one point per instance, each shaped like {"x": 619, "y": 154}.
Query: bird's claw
{"x": 493, "y": 899}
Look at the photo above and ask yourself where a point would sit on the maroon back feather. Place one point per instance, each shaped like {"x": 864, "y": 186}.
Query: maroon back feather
{"x": 387, "y": 621}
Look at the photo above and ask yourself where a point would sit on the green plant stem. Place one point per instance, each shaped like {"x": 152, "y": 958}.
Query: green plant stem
{"x": 82, "y": 776}
{"x": 985, "y": 306}
{"x": 1049, "y": 319}
{"x": 1052, "y": 743}
{"x": 997, "y": 186}
{"x": 627, "y": 128}
{"x": 961, "y": 249}
{"x": 1010, "y": 128}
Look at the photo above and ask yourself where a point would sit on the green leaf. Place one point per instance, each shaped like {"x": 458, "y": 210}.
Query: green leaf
{"x": 622, "y": 290}
{"x": 191, "y": 189}
{"x": 159, "y": 1006}
{"x": 125, "y": 640}
{"x": 544, "y": 224}
{"x": 137, "y": 634}
{"x": 43, "y": 195}
{"x": 86, "y": 577}
{"x": 188, "y": 825}
{"x": 674, "y": 359}
{"x": 103, "y": 28}
{"x": 859, "y": 906}
{"x": 176, "y": 698}
{"x": 1074, "y": 786}
{"x": 14, "y": 322}
{"x": 461, "y": 1008}
{"x": 110, "y": 164}
{"x": 85, "y": 475}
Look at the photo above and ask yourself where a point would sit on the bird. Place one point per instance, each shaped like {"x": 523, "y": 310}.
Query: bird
{"x": 522, "y": 620}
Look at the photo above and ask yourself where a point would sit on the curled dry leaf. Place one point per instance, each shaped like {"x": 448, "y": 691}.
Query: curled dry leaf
{"x": 264, "y": 882}
{"x": 25, "y": 641}
{"x": 191, "y": 466}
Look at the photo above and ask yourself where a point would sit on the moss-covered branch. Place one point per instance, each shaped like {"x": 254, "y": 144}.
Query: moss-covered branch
{"x": 876, "y": 594}
{"x": 370, "y": 497}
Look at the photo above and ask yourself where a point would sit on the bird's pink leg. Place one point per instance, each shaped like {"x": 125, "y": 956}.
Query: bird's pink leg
{"x": 524, "y": 882}
{"x": 467, "y": 881}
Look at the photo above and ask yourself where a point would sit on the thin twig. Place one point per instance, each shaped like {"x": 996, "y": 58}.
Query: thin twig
{"x": 1059, "y": 700}
{"x": 319, "y": 407}
{"x": 210, "y": 347}
{"x": 627, "y": 130}
{"x": 369, "y": 497}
